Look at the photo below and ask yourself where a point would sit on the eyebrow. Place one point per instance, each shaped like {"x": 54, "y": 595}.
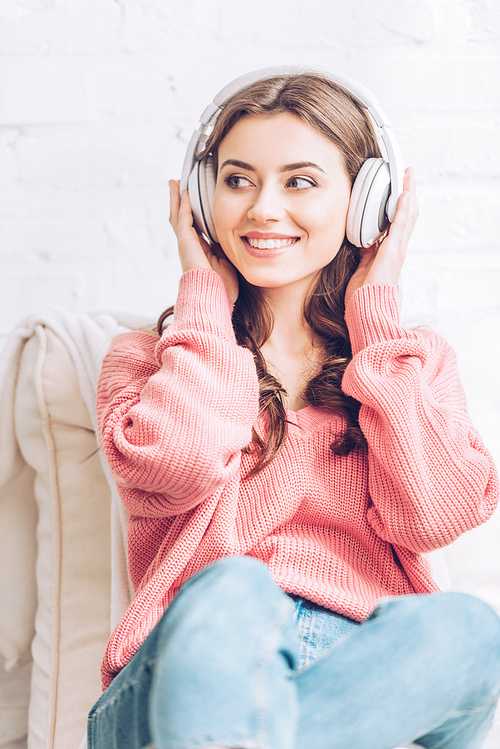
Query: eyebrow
{"x": 285, "y": 168}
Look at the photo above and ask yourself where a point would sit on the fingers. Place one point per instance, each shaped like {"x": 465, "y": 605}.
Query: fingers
{"x": 404, "y": 221}
{"x": 181, "y": 217}
{"x": 194, "y": 252}
{"x": 175, "y": 201}
{"x": 398, "y": 230}
{"x": 407, "y": 209}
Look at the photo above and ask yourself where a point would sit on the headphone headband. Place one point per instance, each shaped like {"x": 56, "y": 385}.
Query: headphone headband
{"x": 361, "y": 95}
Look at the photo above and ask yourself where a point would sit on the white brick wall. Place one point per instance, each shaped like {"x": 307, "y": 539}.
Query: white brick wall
{"x": 98, "y": 99}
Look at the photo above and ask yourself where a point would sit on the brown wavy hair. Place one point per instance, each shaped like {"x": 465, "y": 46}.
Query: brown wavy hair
{"x": 331, "y": 111}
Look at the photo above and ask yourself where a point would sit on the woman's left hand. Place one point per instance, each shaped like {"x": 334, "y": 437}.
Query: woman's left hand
{"x": 382, "y": 262}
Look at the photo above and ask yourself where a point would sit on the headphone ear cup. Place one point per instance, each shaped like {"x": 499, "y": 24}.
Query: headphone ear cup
{"x": 206, "y": 183}
{"x": 366, "y": 217}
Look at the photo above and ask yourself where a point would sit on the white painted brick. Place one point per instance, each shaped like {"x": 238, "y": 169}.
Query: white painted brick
{"x": 125, "y": 90}
{"x": 117, "y": 157}
{"x": 125, "y": 235}
{"x": 388, "y": 23}
{"x": 26, "y": 293}
{"x": 449, "y": 287}
{"x": 10, "y": 195}
{"x": 484, "y": 22}
{"x": 149, "y": 288}
{"x": 469, "y": 148}
{"x": 60, "y": 26}
{"x": 313, "y": 24}
{"x": 135, "y": 288}
{"x": 24, "y": 33}
{"x": 458, "y": 215}
{"x": 433, "y": 85}
{"x": 94, "y": 26}
{"x": 41, "y": 90}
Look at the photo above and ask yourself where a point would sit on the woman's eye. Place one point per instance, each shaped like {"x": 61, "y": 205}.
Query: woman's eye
{"x": 300, "y": 183}
{"x": 234, "y": 181}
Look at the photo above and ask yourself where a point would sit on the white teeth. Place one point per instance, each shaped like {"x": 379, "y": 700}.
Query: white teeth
{"x": 269, "y": 244}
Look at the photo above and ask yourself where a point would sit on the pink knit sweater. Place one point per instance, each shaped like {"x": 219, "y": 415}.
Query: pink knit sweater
{"x": 175, "y": 414}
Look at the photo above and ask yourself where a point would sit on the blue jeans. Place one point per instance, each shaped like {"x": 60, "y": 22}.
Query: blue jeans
{"x": 235, "y": 662}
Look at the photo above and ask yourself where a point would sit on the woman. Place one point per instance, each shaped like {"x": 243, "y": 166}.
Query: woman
{"x": 287, "y": 453}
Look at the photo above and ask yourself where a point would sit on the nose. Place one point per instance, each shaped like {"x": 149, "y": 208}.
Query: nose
{"x": 267, "y": 205}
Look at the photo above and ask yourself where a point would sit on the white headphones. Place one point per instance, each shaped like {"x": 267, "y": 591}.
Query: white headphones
{"x": 375, "y": 192}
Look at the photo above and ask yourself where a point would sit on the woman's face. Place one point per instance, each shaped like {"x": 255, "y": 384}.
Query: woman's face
{"x": 281, "y": 200}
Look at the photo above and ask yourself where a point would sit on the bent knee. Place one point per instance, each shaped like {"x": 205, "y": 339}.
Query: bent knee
{"x": 450, "y": 615}
{"x": 468, "y": 612}
{"x": 230, "y": 579}
{"x": 240, "y": 569}
{"x": 459, "y": 623}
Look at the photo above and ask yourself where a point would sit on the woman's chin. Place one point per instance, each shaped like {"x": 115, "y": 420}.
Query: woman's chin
{"x": 277, "y": 280}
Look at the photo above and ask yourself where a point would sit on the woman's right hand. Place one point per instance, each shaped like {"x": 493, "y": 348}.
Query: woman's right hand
{"x": 194, "y": 251}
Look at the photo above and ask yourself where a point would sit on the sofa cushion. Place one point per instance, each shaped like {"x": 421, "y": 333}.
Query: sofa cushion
{"x": 14, "y": 699}
{"x": 73, "y": 536}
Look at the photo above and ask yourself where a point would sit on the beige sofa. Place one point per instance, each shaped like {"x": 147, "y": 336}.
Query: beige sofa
{"x": 61, "y": 593}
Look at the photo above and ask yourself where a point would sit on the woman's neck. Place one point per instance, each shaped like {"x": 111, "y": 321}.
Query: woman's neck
{"x": 291, "y": 333}
{"x": 292, "y": 352}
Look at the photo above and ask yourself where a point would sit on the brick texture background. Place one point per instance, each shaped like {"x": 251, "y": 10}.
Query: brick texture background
{"x": 99, "y": 97}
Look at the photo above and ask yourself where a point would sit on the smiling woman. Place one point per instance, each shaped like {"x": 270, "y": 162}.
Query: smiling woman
{"x": 288, "y": 453}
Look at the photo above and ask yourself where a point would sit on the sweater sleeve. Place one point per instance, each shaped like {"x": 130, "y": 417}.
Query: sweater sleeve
{"x": 430, "y": 476}
{"x": 175, "y": 412}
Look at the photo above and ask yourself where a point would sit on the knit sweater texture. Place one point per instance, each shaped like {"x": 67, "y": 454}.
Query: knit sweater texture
{"x": 176, "y": 413}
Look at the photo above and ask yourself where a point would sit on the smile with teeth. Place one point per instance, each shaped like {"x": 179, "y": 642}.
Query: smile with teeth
{"x": 270, "y": 244}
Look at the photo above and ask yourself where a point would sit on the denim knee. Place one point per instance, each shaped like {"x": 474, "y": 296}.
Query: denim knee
{"x": 246, "y": 576}
{"x": 225, "y": 588}
{"x": 480, "y": 627}
{"x": 471, "y": 616}
{"x": 225, "y": 653}
{"x": 456, "y": 623}
{"x": 237, "y": 566}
